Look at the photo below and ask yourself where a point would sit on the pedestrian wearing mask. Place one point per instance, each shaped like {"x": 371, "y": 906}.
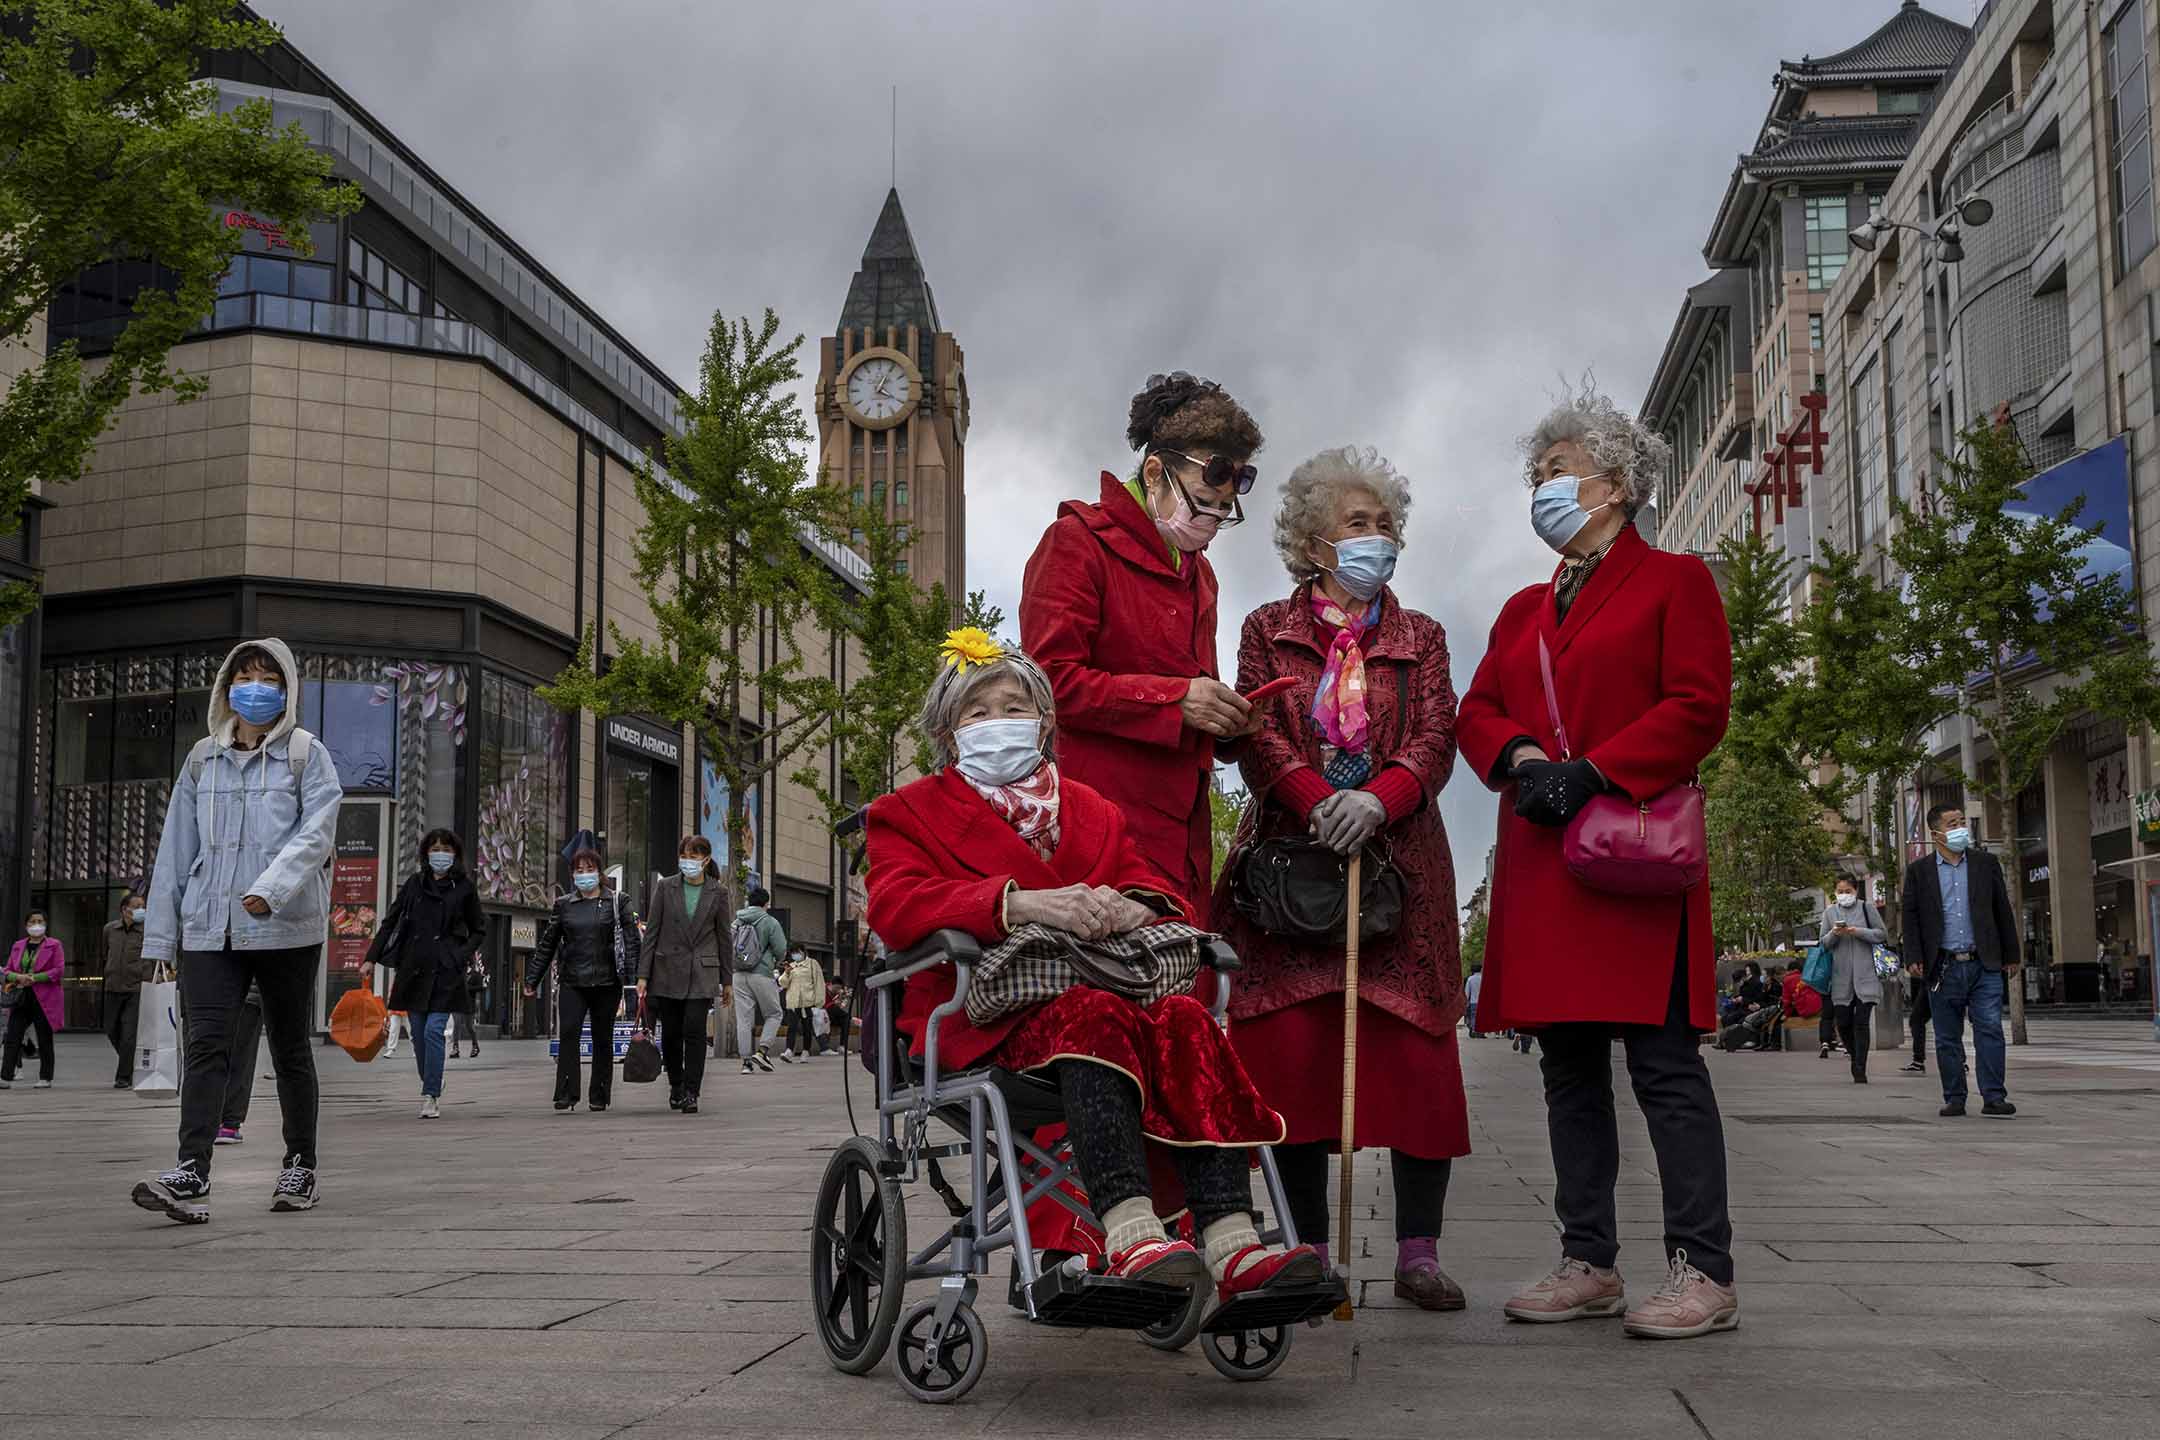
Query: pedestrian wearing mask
{"x": 429, "y": 936}
{"x": 1641, "y": 664}
{"x": 240, "y": 895}
{"x": 1852, "y": 930}
{"x": 1118, "y": 606}
{"x": 686, "y": 940}
{"x": 592, "y": 939}
{"x": 758, "y": 945}
{"x": 803, "y": 989}
{"x": 31, "y": 980}
{"x": 125, "y": 972}
{"x": 1964, "y": 941}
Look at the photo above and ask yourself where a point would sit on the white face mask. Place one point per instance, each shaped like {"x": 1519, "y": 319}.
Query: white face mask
{"x": 1847, "y": 899}
{"x": 999, "y": 752}
{"x": 35, "y": 932}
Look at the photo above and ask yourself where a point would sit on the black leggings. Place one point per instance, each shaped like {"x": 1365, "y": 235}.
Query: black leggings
{"x": 27, "y": 1016}
{"x": 1855, "y": 1026}
{"x": 801, "y": 1031}
{"x": 1102, "y": 1120}
{"x": 1420, "y": 1190}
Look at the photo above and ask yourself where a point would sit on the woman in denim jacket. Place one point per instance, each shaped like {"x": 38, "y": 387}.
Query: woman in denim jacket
{"x": 240, "y": 895}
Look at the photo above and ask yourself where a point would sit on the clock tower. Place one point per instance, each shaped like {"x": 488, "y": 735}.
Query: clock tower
{"x": 892, "y": 405}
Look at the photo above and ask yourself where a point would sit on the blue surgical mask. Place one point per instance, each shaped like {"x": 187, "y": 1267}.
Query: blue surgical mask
{"x": 692, "y": 867}
{"x": 256, "y": 702}
{"x": 1364, "y": 563}
{"x": 586, "y": 880}
{"x": 999, "y": 752}
{"x": 138, "y": 915}
{"x": 440, "y": 861}
{"x": 1959, "y": 840}
{"x": 1556, "y": 513}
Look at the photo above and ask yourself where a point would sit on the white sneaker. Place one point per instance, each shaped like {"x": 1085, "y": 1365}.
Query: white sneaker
{"x": 430, "y": 1108}
{"x": 42, "y": 1085}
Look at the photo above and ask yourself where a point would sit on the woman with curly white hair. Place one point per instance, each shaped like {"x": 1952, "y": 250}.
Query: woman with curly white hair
{"x": 1611, "y": 678}
{"x": 1353, "y": 753}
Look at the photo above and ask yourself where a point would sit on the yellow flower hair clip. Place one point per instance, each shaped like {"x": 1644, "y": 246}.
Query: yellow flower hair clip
{"x": 970, "y": 646}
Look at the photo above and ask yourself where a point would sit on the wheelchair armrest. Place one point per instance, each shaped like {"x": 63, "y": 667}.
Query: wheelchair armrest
{"x": 1217, "y": 955}
{"x": 956, "y": 946}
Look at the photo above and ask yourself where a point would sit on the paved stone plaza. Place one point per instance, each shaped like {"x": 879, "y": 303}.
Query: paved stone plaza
{"x": 511, "y": 1272}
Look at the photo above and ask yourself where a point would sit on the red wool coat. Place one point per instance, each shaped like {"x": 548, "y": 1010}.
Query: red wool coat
{"x": 1122, "y": 632}
{"x": 1643, "y": 666}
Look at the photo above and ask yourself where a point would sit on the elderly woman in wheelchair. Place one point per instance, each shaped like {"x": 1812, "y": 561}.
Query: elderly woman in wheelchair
{"x": 994, "y": 840}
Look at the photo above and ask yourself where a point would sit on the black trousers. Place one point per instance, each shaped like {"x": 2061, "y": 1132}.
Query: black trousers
{"x": 598, "y": 1003}
{"x": 1102, "y": 1120}
{"x": 27, "y": 1015}
{"x": 464, "y": 1030}
{"x": 1855, "y": 1025}
{"x": 1827, "y": 1030}
{"x": 1420, "y": 1190}
{"x": 801, "y": 1031}
{"x": 122, "y": 1008}
{"x": 682, "y": 1040}
{"x": 1672, "y": 1086}
{"x": 240, "y": 1069}
{"x": 1919, "y": 1022}
{"x": 214, "y": 984}
{"x": 842, "y": 1026}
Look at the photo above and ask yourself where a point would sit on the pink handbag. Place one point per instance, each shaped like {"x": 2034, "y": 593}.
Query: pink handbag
{"x": 1655, "y": 847}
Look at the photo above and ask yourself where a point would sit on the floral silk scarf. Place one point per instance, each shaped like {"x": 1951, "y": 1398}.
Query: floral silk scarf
{"x": 1030, "y": 806}
{"x": 1339, "y": 702}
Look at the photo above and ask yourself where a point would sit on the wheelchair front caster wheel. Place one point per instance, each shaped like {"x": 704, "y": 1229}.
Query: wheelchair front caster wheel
{"x": 940, "y": 1371}
{"x": 1175, "y": 1332}
{"x": 1247, "y": 1354}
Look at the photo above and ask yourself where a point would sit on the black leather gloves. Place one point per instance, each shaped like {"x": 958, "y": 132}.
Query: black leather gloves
{"x": 1549, "y": 792}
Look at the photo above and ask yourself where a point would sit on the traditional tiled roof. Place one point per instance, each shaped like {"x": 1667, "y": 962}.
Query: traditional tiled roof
{"x": 1835, "y": 145}
{"x": 890, "y": 290}
{"x": 1913, "y": 43}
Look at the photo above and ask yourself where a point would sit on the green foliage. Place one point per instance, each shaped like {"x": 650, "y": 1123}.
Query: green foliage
{"x": 1766, "y": 841}
{"x": 718, "y": 561}
{"x": 113, "y": 151}
{"x": 984, "y": 616}
{"x": 1226, "y": 811}
{"x": 1473, "y": 941}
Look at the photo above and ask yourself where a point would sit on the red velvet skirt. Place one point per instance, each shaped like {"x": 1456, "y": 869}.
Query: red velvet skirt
{"x": 1409, "y": 1092}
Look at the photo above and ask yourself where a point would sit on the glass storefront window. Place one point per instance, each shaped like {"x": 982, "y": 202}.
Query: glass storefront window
{"x": 524, "y": 794}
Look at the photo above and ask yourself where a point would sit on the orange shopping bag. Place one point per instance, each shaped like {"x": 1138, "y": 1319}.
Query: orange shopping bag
{"x": 359, "y": 1024}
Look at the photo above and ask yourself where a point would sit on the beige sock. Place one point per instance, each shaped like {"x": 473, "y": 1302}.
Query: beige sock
{"x": 1224, "y": 1239}
{"x": 1129, "y": 1222}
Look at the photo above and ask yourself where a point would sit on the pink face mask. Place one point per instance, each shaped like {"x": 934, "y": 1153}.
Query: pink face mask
{"x": 1189, "y": 530}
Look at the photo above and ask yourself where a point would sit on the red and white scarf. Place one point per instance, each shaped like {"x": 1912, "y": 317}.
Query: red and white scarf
{"x": 1030, "y": 806}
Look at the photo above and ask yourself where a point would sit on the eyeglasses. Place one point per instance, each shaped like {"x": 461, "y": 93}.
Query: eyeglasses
{"x": 1220, "y": 470}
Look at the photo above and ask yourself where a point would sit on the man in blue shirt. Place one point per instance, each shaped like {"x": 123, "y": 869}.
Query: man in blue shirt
{"x": 1962, "y": 942}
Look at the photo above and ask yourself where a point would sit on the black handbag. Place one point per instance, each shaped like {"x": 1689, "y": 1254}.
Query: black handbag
{"x": 1296, "y": 887}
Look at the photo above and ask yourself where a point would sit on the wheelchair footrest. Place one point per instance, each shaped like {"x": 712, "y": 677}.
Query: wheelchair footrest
{"x": 1081, "y": 1299}
{"x": 1265, "y": 1309}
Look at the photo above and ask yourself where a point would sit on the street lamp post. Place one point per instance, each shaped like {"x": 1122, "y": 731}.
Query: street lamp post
{"x": 1975, "y": 210}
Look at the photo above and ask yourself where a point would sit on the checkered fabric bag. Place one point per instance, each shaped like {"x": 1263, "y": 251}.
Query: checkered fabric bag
{"x": 1036, "y": 964}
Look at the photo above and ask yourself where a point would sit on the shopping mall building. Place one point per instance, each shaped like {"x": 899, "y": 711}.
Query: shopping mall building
{"x": 414, "y": 463}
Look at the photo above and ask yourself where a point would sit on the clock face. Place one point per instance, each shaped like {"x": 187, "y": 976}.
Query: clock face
{"x": 879, "y": 389}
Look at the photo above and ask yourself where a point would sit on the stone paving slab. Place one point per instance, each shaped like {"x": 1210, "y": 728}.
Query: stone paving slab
{"x": 509, "y": 1272}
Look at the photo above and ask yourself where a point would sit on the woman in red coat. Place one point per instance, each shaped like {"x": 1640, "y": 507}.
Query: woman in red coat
{"x": 1642, "y": 667}
{"x": 997, "y": 838}
{"x": 1118, "y": 604}
{"x": 1355, "y": 752}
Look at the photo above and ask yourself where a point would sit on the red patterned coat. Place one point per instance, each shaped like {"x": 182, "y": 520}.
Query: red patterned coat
{"x": 1122, "y": 631}
{"x": 1416, "y": 974}
{"x": 1643, "y": 667}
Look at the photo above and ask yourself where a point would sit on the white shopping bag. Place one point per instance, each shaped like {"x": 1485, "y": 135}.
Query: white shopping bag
{"x": 820, "y": 1023}
{"x": 157, "y": 1039}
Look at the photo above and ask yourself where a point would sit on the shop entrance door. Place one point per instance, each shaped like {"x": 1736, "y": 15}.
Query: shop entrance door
{"x": 643, "y": 798}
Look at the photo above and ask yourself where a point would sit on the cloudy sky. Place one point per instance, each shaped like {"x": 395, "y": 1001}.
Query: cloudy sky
{"x": 1396, "y": 225}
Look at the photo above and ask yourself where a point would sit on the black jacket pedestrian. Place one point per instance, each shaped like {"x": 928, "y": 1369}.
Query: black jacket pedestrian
{"x": 590, "y": 941}
{"x": 682, "y": 953}
{"x": 429, "y": 936}
{"x": 1994, "y": 926}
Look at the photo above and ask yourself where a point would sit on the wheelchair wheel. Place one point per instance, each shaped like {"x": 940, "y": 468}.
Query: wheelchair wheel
{"x": 1175, "y": 1332}
{"x": 858, "y": 1258}
{"x": 1248, "y": 1354}
{"x": 942, "y": 1376}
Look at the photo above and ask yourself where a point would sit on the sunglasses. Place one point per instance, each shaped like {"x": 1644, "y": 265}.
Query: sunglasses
{"x": 1220, "y": 471}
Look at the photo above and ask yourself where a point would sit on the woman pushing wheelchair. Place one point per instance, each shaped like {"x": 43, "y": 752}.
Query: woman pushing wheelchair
{"x": 996, "y": 839}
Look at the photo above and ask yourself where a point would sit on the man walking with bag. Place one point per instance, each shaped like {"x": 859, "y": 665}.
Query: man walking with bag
{"x": 125, "y": 972}
{"x": 1964, "y": 935}
{"x": 240, "y": 894}
{"x": 759, "y": 944}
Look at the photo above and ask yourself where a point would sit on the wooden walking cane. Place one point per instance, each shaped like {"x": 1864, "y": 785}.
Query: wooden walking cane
{"x": 1349, "y": 1069}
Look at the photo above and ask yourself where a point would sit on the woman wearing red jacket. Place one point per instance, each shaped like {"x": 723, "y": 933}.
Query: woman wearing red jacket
{"x": 1355, "y": 752}
{"x": 1118, "y": 605}
{"x": 1642, "y": 665}
{"x": 996, "y": 838}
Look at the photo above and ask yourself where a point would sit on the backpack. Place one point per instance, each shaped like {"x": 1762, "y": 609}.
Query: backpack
{"x": 749, "y": 947}
{"x": 299, "y": 749}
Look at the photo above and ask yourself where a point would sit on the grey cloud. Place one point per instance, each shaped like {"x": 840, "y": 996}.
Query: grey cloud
{"x": 1396, "y": 225}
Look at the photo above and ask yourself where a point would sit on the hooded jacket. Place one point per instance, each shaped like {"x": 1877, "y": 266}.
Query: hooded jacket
{"x": 246, "y": 825}
{"x": 772, "y": 940}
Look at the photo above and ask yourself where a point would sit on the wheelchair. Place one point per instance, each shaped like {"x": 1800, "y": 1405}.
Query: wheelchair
{"x": 860, "y": 1263}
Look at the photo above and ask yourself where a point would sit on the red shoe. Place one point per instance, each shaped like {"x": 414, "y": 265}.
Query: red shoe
{"x": 1254, "y": 1268}
{"x": 1165, "y": 1262}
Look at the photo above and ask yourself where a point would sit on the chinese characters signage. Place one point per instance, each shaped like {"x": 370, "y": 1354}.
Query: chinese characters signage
{"x": 355, "y": 886}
